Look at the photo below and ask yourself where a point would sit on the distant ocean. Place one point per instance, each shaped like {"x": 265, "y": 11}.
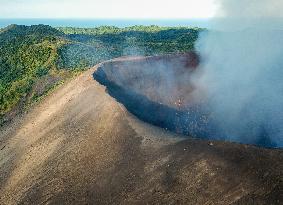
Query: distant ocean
{"x": 90, "y": 23}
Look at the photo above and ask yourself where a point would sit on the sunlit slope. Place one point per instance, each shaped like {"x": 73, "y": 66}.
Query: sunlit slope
{"x": 81, "y": 146}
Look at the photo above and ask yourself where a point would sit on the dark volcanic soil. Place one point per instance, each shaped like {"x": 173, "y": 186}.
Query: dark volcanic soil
{"x": 80, "y": 146}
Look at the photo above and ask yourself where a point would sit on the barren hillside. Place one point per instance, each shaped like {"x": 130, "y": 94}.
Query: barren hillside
{"x": 81, "y": 146}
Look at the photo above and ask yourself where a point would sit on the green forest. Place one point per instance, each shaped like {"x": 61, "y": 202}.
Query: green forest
{"x": 36, "y": 59}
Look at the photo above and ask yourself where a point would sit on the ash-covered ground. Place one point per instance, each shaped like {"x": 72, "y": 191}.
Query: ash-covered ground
{"x": 81, "y": 146}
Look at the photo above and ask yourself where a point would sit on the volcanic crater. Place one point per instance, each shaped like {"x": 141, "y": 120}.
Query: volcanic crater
{"x": 163, "y": 91}
{"x": 158, "y": 90}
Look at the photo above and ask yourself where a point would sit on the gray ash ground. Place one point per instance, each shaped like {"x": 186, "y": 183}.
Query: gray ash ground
{"x": 79, "y": 146}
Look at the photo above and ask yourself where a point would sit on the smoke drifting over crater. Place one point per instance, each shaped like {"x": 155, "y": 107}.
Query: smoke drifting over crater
{"x": 242, "y": 72}
{"x": 230, "y": 89}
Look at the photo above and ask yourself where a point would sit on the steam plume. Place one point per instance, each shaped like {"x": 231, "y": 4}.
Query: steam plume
{"x": 242, "y": 70}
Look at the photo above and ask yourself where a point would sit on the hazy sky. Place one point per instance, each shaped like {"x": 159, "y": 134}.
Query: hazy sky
{"x": 107, "y": 8}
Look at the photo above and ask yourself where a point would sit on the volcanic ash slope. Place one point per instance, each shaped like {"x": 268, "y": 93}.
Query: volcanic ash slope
{"x": 80, "y": 146}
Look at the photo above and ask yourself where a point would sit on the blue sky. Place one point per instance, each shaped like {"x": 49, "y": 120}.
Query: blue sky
{"x": 107, "y": 8}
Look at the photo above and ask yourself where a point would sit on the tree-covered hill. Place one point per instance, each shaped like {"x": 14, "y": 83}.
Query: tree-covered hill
{"x": 91, "y": 45}
{"x": 34, "y": 59}
{"x": 28, "y": 57}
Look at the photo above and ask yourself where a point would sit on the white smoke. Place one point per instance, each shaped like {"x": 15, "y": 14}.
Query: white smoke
{"x": 242, "y": 70}
{"x": 250, "y": 8}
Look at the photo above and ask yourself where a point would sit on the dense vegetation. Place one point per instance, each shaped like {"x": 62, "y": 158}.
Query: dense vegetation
{"x": 34, "y": 59}
{"x": 92, "y": 45}
{"x": 28, "y": 57}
